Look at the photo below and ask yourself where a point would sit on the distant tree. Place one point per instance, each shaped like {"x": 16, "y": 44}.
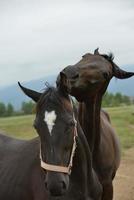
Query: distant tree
{"x": 2, "y": 109}
{"x": 107, "y": 99}
{"x": 9, "y": 110}
{"x": 126, "y": 100}
{"x": 117, "y": 99}
{"x": 27, "y": 107}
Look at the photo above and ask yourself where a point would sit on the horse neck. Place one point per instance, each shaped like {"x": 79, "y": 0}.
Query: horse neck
{"x": 89, "y": 117}
{"x": 82, "y": 165}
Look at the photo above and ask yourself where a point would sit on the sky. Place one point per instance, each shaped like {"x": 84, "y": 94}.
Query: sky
{"x": 40, "y": 38}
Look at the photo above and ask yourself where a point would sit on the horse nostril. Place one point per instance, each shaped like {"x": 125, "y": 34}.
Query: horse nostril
{"x": 63, "y": 185}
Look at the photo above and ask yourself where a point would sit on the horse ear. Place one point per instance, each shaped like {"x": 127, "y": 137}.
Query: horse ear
{"x": 62, "y": 82}
{"x": 121, "y": 74}
{"x": 96, "y": 51}
{"x": 30, "y": 93}
{"x": 63, "y": 79}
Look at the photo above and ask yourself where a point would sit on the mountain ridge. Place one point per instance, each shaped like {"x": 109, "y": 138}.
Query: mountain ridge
{"x": 14, "y": 95}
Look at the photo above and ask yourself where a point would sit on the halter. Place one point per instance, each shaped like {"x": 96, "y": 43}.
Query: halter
{"x": 63, "y": 169}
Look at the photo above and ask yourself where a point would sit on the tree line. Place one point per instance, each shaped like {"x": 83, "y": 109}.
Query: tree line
{"x": 9, "y": 110}
{"x": 109, "y": 100}
{"x": 113, "y": 100}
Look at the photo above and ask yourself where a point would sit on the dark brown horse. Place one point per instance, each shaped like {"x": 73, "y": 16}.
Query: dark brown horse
{"x": 87, "y": 81}
{"x": 50, "y": 166}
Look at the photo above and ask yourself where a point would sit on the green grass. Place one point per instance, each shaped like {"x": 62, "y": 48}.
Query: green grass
{"x": 19, "y": 127}
{"x": 122, "y": 119}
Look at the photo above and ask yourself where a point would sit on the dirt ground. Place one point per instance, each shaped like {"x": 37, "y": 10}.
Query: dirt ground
{"x": 124, "y": 181}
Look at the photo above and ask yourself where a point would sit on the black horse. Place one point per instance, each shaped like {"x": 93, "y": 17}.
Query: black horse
{"x": 52, "y": 165}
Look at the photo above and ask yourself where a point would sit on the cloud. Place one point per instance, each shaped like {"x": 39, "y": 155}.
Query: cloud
{"x": 42, "y": 37}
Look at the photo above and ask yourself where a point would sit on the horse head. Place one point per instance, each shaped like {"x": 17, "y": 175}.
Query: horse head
{"x": 91, "y": 75}
{"x": 56, "y": 126}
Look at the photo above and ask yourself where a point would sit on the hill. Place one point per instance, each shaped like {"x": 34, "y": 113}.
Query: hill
{"x": 124, "y": 86}
{"x": 14, "y": 95}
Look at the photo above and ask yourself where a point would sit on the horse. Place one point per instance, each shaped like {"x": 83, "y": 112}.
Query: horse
{"x": 55, "y": 165}
{"x": 87, "y": 81}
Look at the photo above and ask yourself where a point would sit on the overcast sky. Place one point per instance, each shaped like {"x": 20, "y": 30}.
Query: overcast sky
{"x": 40, "y": 37}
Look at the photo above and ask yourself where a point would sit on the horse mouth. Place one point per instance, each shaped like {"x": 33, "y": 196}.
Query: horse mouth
{"x": 56, "y": 195}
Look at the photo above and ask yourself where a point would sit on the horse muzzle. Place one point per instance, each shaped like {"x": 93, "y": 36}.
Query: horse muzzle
{"x": 56, "y": 183}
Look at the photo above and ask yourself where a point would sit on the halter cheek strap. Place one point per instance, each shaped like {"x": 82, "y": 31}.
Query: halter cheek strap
{"x": 57, "y": 168}
{"x": 62, "y": 169}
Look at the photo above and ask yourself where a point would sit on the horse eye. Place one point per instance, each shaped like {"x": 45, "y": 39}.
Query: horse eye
{"x": 105, "y": 75}
{"x": 71, "y": 123}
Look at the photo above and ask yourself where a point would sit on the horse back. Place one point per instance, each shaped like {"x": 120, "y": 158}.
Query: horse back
{"x": 18, "y": 159}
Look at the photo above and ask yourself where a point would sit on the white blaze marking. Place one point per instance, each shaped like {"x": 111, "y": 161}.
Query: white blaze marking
{"x": 50, "y": 118}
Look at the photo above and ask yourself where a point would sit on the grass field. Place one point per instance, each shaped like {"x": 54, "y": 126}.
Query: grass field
{"x": 122, "y": 119}
{"x": 19, "y": 127}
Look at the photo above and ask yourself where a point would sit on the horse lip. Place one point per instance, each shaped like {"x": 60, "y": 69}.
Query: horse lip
{"x": 55, "y": 196}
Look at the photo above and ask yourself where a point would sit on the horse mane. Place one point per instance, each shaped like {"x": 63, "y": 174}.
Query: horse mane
{"x": 109, "y": 57}
{"x": 50, "y": 94}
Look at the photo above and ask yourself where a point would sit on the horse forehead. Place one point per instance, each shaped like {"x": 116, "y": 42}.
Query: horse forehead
{"x": 70, "y": 70}
{"x": 95, "y": 61}
{"x": 88, "y": 62}
{"x": 50, "y": 118}
{"x": 50, "y": 115}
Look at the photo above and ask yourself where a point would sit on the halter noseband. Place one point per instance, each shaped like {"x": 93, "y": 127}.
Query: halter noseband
{"x": 63, "y": 169}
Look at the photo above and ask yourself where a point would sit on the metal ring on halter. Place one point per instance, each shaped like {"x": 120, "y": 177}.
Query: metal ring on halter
{"x": 63, "y": 169}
